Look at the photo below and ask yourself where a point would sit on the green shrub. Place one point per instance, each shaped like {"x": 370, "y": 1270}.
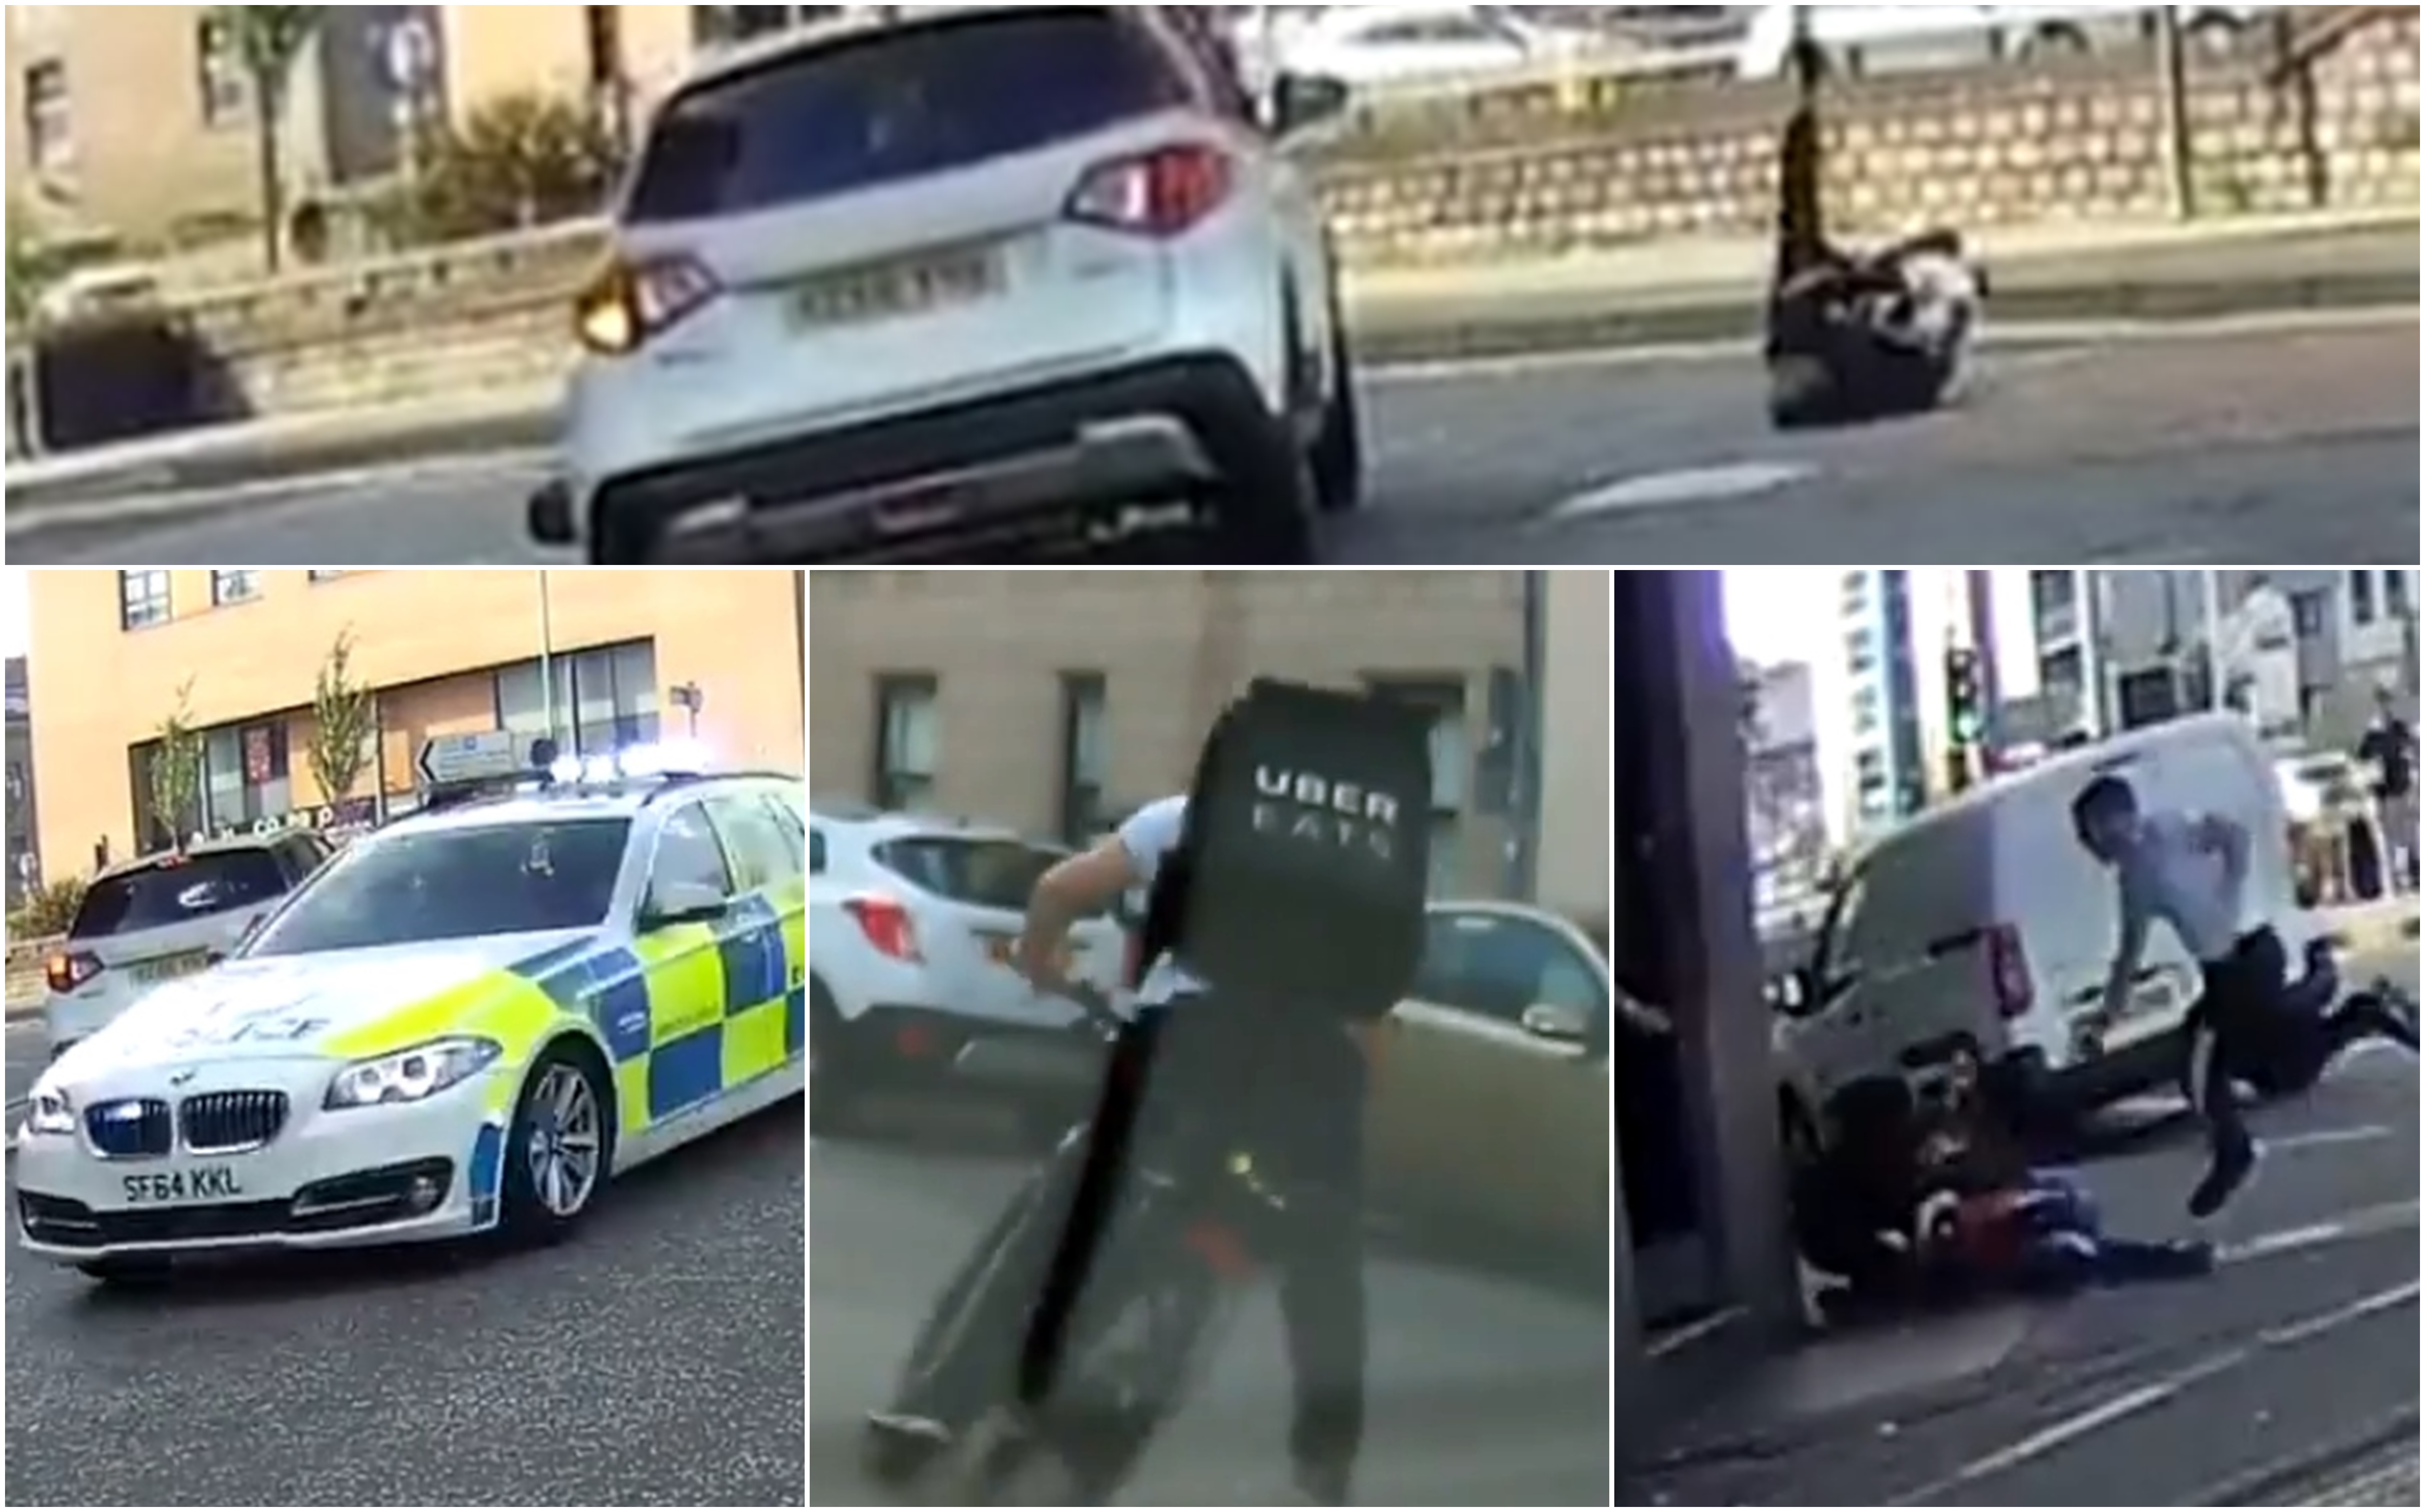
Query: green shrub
{"x": 519, "y": 161}
{"x": 47, "y": 911}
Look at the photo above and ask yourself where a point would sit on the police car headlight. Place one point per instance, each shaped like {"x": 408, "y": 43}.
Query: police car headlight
{"x": 49, "y": 1113}
{"x": 410, "y": 1075}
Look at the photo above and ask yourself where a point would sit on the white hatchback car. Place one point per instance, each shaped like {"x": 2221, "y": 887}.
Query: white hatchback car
{"x": 912, "y": 923}
{"x": 975, "y": 282}
{"x": 164, "y": 916}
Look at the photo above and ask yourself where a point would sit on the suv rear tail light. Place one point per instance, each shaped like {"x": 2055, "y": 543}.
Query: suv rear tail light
{"x": 632, "y": 303}
{"x": 67, "y": 970}
{"x": 2008, "y": 972}
{"x": 887, "y": 926}
{"x": 1162, "y": 194}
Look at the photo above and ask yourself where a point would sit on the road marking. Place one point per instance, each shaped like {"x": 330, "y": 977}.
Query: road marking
{"x": 1724, "y": 483}
{"x": 2363, "y": 1224}
{"x": 2141, "y": 1400}
{"x": 35, "y": 517}
{"x": 2325, "y": 1138}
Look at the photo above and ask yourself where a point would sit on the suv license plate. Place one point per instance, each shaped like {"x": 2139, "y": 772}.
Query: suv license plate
{"x": 171, "y": 1188}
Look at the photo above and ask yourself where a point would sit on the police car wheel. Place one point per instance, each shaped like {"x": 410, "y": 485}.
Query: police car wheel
{"x": 129, "y": 1271}
{"x": 560, "y": 1152}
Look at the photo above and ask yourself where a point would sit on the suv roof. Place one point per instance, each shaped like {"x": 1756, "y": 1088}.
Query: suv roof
{"x": 849, "y": 25}
{"x": 200, "y": 849}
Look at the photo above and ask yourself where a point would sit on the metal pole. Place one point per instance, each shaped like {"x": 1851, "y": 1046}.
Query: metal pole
{"x": 1524, "y": 848}
{"x": 2218, "y": 657}
{"x": 2093, "y": 700}
{"x": 2180, "y": 154}
{"x": 547, "y": 653}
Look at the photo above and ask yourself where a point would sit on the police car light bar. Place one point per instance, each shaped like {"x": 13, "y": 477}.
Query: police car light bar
{"x": 638, "y": 763}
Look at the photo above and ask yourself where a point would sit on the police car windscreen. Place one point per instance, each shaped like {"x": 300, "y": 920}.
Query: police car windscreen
{"x": 173, "y": 891}
{"x": 455, "y": 884}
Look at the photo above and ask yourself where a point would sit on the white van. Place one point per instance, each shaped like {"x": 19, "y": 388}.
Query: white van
{"x": 1859, "y": 41}
{"x": 1985, "y": 927}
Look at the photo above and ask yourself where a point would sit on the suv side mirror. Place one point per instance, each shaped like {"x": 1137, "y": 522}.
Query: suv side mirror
{"x": 670, "y": 903}
{"x": 1301, "y": 102}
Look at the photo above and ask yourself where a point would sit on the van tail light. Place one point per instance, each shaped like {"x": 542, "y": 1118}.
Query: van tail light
{"x": 887, "y": 926}
{"x": 67, "y": 970}
{"x": 634, "y": 301}
{"x": 2008, "y": 972}
{"x": 1161, "y": 194}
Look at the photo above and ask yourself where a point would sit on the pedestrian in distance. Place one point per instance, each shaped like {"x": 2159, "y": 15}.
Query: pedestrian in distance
{"x": 2389, "y": 752}
{"x": 2191, "y": 873}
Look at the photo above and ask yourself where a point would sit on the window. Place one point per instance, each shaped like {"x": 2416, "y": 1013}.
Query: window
{"x": 220, "y": 72}
{"x": 1000, "y": 875}
{"x": 907, "y": 727}
{"x": 1500, "y": 966}
{"x": 2312, "y": 613}
{"x": 818, "y": 862}
{"x": 890, "y": 106}
{"x": 1871, "y": 768}
{"x": 1085, "y": 761}
{"x": 142, "y": 599}
{"x": 763, "y": 854}
{"x": 228, "y": 588}
{"x": 179, "y": 890}
{"x": 1869, "y": 710}
{"x": 2365, "y": 608}
{"x": 1861, "y": 653}
{"x": 16, "y": 783}
{"x": 603, "y": 701}
{"x": 454, "y": 885}
{"x": 1452, "y": 766}
{"x": 244, "y": 776}
{"x": 689, "y": 856}
{"x": 50, "y": 127}
{"x": 2400, "y": 594}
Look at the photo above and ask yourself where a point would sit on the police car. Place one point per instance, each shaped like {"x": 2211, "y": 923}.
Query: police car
{"x": 469, "y": 1022}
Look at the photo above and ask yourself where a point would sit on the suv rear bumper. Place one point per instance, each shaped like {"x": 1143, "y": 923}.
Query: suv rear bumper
{"x": 1042, "y": 471}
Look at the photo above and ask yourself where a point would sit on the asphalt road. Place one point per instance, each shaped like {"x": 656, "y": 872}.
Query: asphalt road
{"x": 653, "y": 1361}
{"x": 1483, "y": 1393}
{"x": 2288, "y": 442}
{"x": 2264, "y": 1386}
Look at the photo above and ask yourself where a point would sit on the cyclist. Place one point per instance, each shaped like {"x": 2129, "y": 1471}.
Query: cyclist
{"x": 2191, "y": 873}
{"x": 1306, "y": 1069}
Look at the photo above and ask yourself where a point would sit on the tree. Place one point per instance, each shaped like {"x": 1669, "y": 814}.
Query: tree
{"x": 345, "y": 716}
{"x": 177, "y": 768}
{"x": 267, "y": 40}
{"x": 516, "y": 162}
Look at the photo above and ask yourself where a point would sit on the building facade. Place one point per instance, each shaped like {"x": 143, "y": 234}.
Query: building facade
{"x": 1880, "y": 776}
{"x": 2306, "y": 652}
{"x": 24, "y": 849}
{"x": 1785, "y": 782}
{"x": 1056, "y": 703}
{"x": 598, "y": 660}
{"x": 138, "y": 120}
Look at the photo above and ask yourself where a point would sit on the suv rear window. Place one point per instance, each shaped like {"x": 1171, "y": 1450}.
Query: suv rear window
{"x": 997, "y": 874}
{"x": 888, "y": 106}
{"x": 170, "y": 892}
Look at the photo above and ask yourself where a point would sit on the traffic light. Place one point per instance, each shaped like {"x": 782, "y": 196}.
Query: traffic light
{"x": 1965, "y": 692}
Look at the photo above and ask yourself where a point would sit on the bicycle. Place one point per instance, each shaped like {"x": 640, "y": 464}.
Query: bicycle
{"x": 1201, "y": 1211}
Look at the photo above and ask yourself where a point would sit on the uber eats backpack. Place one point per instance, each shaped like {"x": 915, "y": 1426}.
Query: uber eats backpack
{"x": 1302, "y": 875}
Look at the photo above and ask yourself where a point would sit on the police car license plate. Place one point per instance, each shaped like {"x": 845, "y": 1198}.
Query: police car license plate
{"x": 195, "y": 1184}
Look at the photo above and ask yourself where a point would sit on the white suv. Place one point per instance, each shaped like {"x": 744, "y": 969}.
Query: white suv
{"x": 150, "y": 921}
{"x": 980, "y": 283}
{"x": 912, "y": 923}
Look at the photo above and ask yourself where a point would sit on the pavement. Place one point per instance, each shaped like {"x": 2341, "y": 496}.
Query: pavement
{"x": 654, "y": 1360}
{"x": 2289, "y": 1380}
{"x": 2266, "y": 439}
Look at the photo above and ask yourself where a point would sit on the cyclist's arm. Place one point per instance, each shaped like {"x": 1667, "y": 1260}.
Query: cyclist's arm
{"x": 1081, "y": 886}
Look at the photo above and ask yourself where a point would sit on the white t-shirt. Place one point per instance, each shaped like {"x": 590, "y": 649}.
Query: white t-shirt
{"x": 2172, "y": 876}
{"x": 1152, "y": 833}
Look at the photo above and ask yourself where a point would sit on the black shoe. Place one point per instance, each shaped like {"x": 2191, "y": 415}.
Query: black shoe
{"x": 2225, "y": 1179}
{"x": 2400, "y": 1017}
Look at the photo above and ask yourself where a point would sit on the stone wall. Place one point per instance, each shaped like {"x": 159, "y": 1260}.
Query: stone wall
{"x": 1541, "y": 168}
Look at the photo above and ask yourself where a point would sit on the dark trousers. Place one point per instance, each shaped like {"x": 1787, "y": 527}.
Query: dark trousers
{"x": 1185, "y": 1063}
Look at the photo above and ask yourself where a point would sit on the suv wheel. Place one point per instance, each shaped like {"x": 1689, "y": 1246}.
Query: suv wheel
{"x": 1339, "y": 445}
{"x": 1264, "y": 512}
